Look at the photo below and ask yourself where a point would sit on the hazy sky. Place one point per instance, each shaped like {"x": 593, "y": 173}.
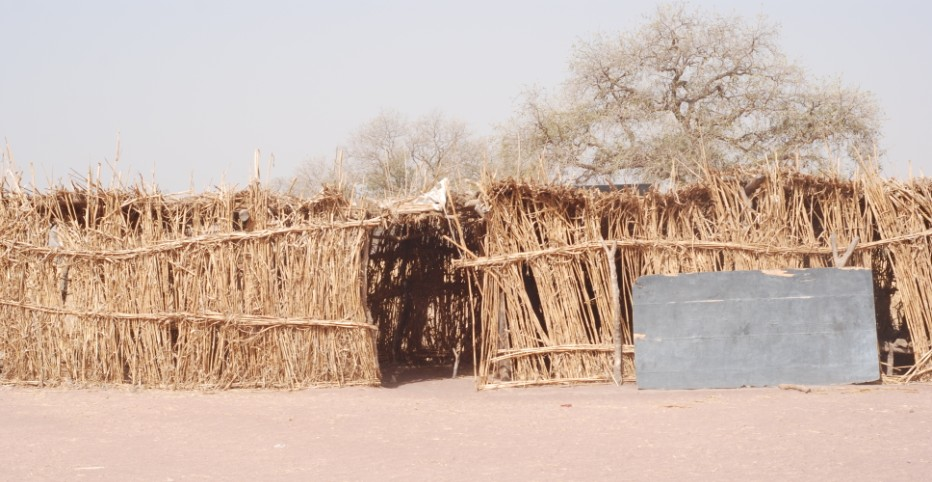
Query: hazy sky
{"x": 194, "y": 87}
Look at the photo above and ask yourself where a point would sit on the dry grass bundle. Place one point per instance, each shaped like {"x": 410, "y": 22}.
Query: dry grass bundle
{"x": 228, "y": 289}
{"x": 546, "y": 297}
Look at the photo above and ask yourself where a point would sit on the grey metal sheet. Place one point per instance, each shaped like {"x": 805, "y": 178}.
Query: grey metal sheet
{"x": 755, "y": 328}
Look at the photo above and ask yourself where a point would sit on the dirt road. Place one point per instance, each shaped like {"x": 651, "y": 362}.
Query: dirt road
{"x": 445, "y": 430}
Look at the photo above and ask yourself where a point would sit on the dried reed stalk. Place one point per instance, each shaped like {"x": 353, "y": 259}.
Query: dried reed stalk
{"x": 228, "y": 289}
{"x": 544, "y": 283}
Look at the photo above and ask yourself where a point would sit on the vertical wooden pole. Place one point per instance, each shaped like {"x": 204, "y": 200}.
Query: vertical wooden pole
{"x": 366, "y": 243}
{"x": 610, "y": 251}
{"x": 364, "y": 273}
{"x": 502, "y": 371}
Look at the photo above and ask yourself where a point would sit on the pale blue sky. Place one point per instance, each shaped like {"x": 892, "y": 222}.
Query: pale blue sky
{"x": 194, "y": 87}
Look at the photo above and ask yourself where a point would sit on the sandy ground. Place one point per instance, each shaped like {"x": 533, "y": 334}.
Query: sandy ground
{"x": 446, "y": 430}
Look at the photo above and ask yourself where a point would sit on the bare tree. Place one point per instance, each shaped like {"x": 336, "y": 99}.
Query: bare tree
{"x": 689, "y": 87}
{"x": 316, "y": 173}
{"x": 438, "y": 146}
{"x": 397, "y": 156}
{"x": 379, "y": 150}
{"x": 516, "y": 152}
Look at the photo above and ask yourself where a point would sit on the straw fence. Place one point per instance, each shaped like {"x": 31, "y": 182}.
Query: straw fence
{"x": 250, "y": 289}
{"x": 558, "y": 264}
{"x": 231, "y": 289}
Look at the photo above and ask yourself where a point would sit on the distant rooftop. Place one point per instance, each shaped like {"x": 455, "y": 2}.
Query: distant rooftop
{"x": 641, "y": 188}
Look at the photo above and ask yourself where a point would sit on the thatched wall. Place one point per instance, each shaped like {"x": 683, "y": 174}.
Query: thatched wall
{"x": 223, "y": 290}
{"x": 248, "y": 289}
{"x": 546, "y": 269}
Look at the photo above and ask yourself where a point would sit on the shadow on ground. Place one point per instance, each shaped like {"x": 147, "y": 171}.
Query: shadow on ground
{"x": 394, "y": 376}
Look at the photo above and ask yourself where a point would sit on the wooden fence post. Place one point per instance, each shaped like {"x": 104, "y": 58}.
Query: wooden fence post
{"x": 610, "y": 251}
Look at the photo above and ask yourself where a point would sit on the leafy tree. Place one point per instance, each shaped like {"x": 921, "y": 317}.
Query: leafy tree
{"x": 689, "y": 87}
